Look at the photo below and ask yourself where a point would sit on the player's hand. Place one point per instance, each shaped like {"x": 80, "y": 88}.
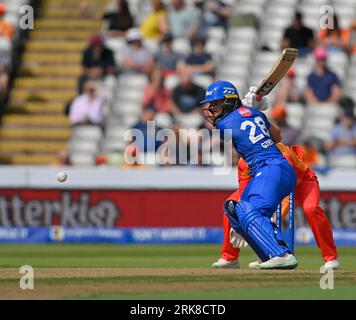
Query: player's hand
{"x": 236, "y": 240}
{"x": 251, "y": 100}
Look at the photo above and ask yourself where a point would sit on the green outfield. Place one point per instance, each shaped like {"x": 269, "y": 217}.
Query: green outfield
{"x": 163, "y": 272}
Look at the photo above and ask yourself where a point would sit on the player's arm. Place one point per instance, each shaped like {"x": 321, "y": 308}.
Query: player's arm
{"x": 275, "y": 132}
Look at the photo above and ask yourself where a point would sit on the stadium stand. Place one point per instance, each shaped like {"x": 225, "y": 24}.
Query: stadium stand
{"x": 46, "y": 80}
{"x": 243, "y": 54}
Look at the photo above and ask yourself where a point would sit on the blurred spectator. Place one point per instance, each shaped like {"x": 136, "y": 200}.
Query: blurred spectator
{"x": 287, "y": 90}
{"x": 187, "y": 95}
{"x": 87, "y": 108}
{"x": 298, "y": 36}
{"x": 6, "y": 28}
{"x": 148, "y": 143}
{"x": 323, "y": 84}
{"x": 289, "y": 134}
{"x": 176, "y": 151}
{"x": 353, "y": 31}
{"x": 347, "y": 103}
{"x": 136, "y": 58}
{"x": 4, "y": 85}
{"x": 215, "y": 13}
{"x": 155, "y": 25}
{"x": 6, "y": 34}
{"x": 97, "y": 61}
{"x": 342, "y": 139}
{"x": 155, "y": 95}
{"x": 183, "y": 19}
{"x": 199, "y": 61}
{"x": 119, "y": 20}
{"x": 117, "y": 17}
{"x": 166, "y": 58}
{"x": 310, "y": 154}
{"x": 335, "y": 38}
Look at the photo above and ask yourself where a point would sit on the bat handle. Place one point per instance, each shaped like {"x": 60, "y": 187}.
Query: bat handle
{"x": 258, "y": 97}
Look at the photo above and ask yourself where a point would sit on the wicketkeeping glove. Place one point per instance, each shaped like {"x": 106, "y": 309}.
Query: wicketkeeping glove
{"x": 251, "y": 100}
{"x": 236, "y": 240}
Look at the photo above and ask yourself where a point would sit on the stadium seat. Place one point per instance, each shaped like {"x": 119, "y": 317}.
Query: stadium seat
{"x": 87, "y": 133}
{"x": 322, "y": 110}
{"x": 115, "y": 44}
{"x": 171, "y": 81}
{"x": 127, "y": 107}
{"x": 181, "y": 45}
{"x": 190, "y": 121}
{"x": 82, "y": 159}
{"x": 202, "y": 80}
{"x": 216, "y": 33}
{"x": 315, "y": 133}
{"x": 295, "y": 114}
{"x": 163, "y": 120}
{"x": 115, "y": 144}
{"x": 132, "y": 80}
{"x": 343, "y": 161}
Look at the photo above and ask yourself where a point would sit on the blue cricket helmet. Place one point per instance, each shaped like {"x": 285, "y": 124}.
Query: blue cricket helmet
{"x": 220, "y": 90}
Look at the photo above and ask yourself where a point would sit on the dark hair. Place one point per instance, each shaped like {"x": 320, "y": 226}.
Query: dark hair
{"x": 198, "y": 39}
{"x": 167, "y": 38}
{"x": 124, "y": 13}
{"x": 298, "y": 16}
{"x": 346, "y": 102}
{"x": 124, "y": 7}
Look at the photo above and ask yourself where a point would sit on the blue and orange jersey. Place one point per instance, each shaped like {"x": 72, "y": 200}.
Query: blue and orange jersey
{"x": 293, "y": 155}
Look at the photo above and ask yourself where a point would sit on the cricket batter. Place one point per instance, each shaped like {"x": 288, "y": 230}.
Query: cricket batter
{"x": 307, "y": 194}
{"x": 272, "y": 177}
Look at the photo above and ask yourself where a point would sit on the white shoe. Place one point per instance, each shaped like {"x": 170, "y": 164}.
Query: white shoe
{"x": 332, "y": 265}
{"x": 254, "y": 265}
{"x": 226, "y": 264}
{"x": 288, "y": 261}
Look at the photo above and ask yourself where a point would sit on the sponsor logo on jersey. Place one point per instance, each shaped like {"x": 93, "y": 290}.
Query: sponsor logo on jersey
{"x": 244, "y": 111}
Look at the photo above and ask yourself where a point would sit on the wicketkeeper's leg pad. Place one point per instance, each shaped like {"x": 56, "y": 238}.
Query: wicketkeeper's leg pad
{"x": 261, "y": 234}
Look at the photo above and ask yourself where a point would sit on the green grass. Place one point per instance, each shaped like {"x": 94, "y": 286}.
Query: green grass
{"x": 300, "y": 284}
{"x": 279, "y": 293}
{"x": 145, "y": 256}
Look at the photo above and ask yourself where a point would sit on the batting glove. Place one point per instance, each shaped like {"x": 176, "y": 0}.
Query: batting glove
{"x": 236, "y": 240}
{"x": 251, "y": 100}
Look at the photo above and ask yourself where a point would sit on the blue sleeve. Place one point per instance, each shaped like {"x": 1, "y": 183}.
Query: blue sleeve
{"x": 86, "y": 60}
{"x": 335, "y": 79}
{"x": 110, "y": 58}
{"x": 334, "y": 134}
{"x": 354, "y": 132}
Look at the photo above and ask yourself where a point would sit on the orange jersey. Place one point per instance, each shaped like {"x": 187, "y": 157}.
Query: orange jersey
{"x": 6, "y": 30}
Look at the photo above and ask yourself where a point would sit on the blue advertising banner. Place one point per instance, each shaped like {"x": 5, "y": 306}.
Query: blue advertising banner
{"x": 58, "y": 234}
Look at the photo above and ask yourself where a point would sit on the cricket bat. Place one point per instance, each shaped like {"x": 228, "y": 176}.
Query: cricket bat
{"x": 278, "y": 71}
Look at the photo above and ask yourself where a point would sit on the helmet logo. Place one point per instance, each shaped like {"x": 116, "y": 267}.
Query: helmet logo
{"x": 229, "y": 91}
